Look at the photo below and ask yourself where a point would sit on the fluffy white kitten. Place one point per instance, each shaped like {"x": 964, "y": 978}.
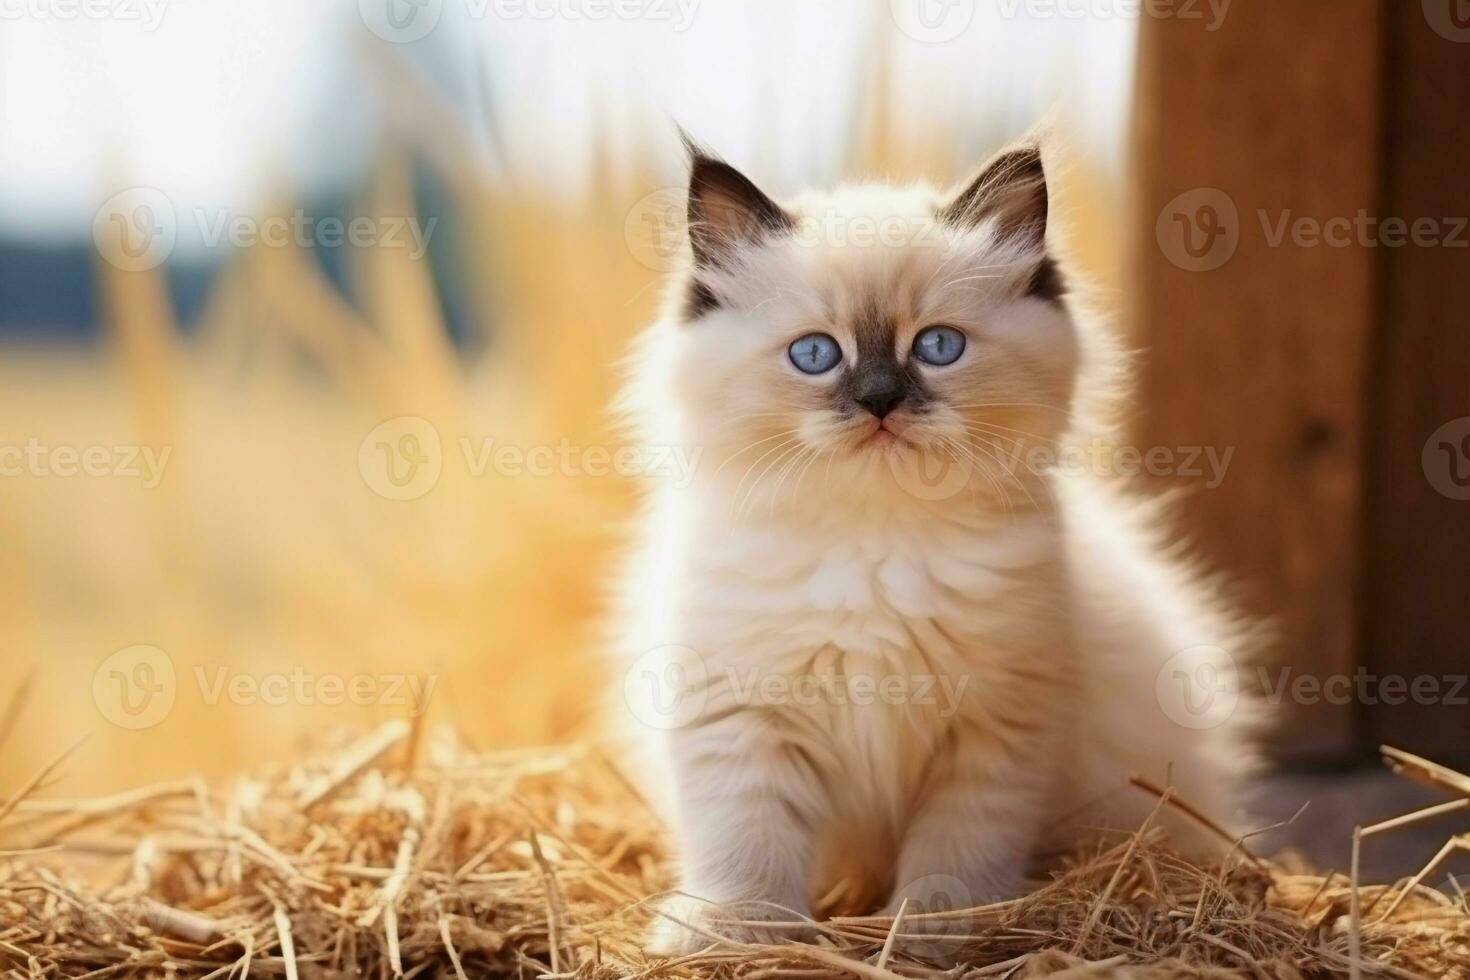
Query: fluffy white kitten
{"x": 876, "y": 638}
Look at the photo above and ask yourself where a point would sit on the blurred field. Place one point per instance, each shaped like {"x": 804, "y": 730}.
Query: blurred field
{"x": 265, "y": 550}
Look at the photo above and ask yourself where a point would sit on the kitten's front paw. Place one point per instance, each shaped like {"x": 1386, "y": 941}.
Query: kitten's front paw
{"x": 679, "y": 928}
{"x": 687, "y": 925}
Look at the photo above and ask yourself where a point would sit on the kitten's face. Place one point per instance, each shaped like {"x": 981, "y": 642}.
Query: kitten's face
{"x": 873, "y": 338}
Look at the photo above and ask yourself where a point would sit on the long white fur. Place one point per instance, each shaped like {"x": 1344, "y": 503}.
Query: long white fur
{"x": 1045, "y": 600}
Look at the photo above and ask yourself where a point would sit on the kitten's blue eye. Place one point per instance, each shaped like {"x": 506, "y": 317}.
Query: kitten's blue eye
{"x": 816, "y": 353}
{"x": 939, "y": 345}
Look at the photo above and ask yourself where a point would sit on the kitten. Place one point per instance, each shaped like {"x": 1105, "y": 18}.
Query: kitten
{"x": 876, "y": 637}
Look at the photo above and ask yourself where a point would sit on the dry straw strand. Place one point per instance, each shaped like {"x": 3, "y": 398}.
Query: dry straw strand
{"x": 541, "y": 863}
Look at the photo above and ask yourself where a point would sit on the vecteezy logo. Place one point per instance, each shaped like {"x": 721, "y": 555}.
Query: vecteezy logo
{"x": 654, "y": 229}
{"x": 136, "y": 229}
{"x": 931, "y": 474}
{"x": 932, "y": 21}
{"x": 1450, "y": 19}
{"x": 1199, "y": 230}
{"x": 401, "y": 459}
{"x": 1446, "y": 459}
{"x": 401, "y": 21}
{"x": 135, "y": 687}
{"x": 934, "y": 895}
{"x": 1198, "y": 687}
{"x": 667, "y": 687}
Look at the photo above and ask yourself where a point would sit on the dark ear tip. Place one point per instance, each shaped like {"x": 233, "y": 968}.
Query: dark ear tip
{"x": 698, "y": 156}
{"x": 1027, "y": 157}
{"x": 1011, "y": 187}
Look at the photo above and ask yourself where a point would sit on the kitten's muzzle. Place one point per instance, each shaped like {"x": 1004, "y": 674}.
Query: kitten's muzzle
{"x": 878, "y": 386}
{"x": 881, "y": 399}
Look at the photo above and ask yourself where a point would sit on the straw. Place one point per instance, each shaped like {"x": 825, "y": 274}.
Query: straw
{"x": 545, "y": 864}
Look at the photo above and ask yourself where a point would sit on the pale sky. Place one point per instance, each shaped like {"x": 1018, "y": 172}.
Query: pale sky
{"x": 213, "y": 101}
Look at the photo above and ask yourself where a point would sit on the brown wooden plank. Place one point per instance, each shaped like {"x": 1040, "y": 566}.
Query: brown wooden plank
{"x": 1418, "y": 534}
{"x": 1279, "y": 111}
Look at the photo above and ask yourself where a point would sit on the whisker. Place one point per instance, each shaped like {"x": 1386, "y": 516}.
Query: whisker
{"x": 782, "y": 466}
{"x": 979, "y": 464}
{"x": 1041, "y": 479}
{"x": 1050, "y": 408}
{"x": 965, "y": 279}
{"x": 994, "y": 453}
{"x": 793, "y": 445}
{"x": 968, "y": 423}
{"x": 816, "y": 455}
{"x": 779, "y": 447}
{"x": 781, "y": 478}
{"x": 741, "y": 452}
{"x": 954, "y": 256}
{"x": 784, "y": 291}
{"x": 1007, "y": 471}
{"x": 733, "y": 419}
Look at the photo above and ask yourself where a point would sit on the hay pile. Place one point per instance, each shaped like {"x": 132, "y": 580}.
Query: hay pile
{"x": 385, "y": 858}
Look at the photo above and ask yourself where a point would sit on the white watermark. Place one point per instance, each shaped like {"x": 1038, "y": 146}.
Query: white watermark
{"x": 138, "y": 687}
{"x": 932, "y": 21}
{"x": 655, "y": 230}
{"x": 1363, "y": 230}
{"x": 1446, "y": 459}
{"x": 1198, "y": 687}
{"x": 930, "y": 896}
{"x": 216, "y": 228}
{"x": 1450, "y": 19}
{"x": 671, "y": 687}
{"x": 1202, "y": 686}
{"x": 1285, "y": 686}
{"x": 1200, "y": 230}
{"x": 406, "y": 21}
{"x": 148, "y": 14}
{"x": 940, "y": 21}
{"x": 139, "y": 228}
{"x": 566, "y": 458}
{"x": 1104, "y": 459}
{"x": 307, "y": 689}
{"x": 1209, "y": 13}
{"x": 939, "y": 473}
{"x": 755, "y": 687}
{"x": 403, "y": 459}
{"x": 124, "y": 462}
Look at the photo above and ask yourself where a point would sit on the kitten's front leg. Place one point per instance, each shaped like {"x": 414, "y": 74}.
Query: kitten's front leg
{"x": 749, "y": 806}
{"x": 970, "y": 842}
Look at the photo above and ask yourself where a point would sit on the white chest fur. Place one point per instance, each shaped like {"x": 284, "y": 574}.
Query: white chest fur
{"x": 871, "y": 634}
{"x": 898, "y": 587}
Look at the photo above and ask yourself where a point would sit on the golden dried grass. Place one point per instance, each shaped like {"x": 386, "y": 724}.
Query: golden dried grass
{"x": 264, "y": 551}
{"x": 383, "y": 857}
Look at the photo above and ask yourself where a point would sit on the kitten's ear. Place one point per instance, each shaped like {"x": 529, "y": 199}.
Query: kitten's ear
{"x": 1011, "y": 189}
{"x": 726, "y": 210}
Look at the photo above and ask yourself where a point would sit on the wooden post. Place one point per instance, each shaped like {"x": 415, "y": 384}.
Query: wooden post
{"x": 1260, "y": 344}
{"x": 1417, "y": 613}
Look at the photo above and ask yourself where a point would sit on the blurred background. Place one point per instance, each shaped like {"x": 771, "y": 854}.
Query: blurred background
{"x": 310, "y": 314}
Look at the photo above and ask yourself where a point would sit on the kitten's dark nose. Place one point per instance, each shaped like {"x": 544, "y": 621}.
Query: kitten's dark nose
{"x": 880, "y": 400}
